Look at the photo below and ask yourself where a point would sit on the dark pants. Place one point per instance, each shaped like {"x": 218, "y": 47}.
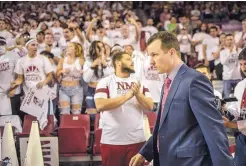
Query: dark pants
{"x": 219, "y": 71}
{"x": 240, "y": 154}
{"x": 15, "y": 105}
{"x": 211, "y": 66}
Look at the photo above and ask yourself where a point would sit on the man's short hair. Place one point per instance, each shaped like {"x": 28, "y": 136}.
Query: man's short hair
{"x": 47, "y": 53}
{"x": 117, "y": 57}
{"x": 201, "y": 65}
{"x": 229, "y": 34}
{"x": 168, "y": 40}
{"x": 242, "y": 54}
{"x": 213, "y": 27}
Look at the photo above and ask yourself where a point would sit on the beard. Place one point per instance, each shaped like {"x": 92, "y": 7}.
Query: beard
{"x": 127, "y": 69}
{"x": 243, "y": 74}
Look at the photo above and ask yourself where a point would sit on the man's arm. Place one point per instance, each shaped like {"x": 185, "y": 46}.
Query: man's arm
{"x": 109, "y": 104}
{"x": 202, "y": 102}
{"x": 145, "y": 101}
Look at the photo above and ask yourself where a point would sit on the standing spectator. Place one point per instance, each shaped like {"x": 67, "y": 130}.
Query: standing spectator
{"x": 231, "y": 68}
{"x": 40, "y": 40}
{"x": 69, "y": 72}
{"x": 208, "y": 46}
{"x": 240, "y": 37}
{"x": 197, "y": 40}
{"x": 185, "y": 44}
{"x": 150, "y": 27}
{"x": 121, "y": 100}
{"x": 10, "y": 98}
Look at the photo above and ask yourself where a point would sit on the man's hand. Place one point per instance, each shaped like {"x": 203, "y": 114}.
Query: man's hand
{"x": 129, "y": 94}
{"x": 40, "y": 85}
{"x": 11, "y": 93}
{"x": 137, "y": 160}
{"x": 136, "y": 88}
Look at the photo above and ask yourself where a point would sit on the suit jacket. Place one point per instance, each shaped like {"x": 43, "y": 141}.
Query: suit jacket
{"x": 191, "y": 131}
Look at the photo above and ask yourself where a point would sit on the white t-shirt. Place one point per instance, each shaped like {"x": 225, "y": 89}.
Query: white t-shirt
{"x": 152, "y": 79}
{"x": 54, "y": 50}
{"x": 33, "y": 69}
{"x": 123, "y": 125}
{"x": 8, "y": 36}
{"x": 198, "y": 47}
{"x": 238, "y": 36}
{"x": 151, "y": 29}
{"x": 211, "y": 43}
{"x": 238, "y": 93}
{"x": 7, "y": 75}
{"x": 231, "y": 67}
{"x": 185, "y": 45}
{"x": 128, "y": 41}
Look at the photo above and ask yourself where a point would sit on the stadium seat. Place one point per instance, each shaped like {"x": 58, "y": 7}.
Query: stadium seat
{"x": 47, "y": 131}
{"x": 73, "y": 135}
{"x": 97, "y": 134}
{"x": 152, "y": 118}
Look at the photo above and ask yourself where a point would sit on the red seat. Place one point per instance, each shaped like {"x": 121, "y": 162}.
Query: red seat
{"x": 152, "y": 119}
{"x": 98, "y": 135}
{"x": 73, "y": 134}
{"x": 28, "y": 124}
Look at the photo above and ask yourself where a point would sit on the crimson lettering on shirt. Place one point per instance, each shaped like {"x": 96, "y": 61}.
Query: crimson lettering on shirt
{"x": 124, "y": 85}
{"x": 152, "y": 74}
{"x": 4, "y": 66}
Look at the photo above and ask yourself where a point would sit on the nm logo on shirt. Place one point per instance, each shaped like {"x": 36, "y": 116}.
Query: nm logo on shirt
{"x": 123, "y": 87}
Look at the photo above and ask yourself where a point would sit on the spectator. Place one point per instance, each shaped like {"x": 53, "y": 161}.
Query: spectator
{"x": 69, "y": 72}
{"x": 229, "y": 60}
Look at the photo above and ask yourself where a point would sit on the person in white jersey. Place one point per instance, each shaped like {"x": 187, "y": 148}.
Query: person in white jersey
{"x": 33, "y": 70}
{"x": 69, "y": 72}
{"x": 208, "y": 46}
{"x": 9, "y": 99}
{"x": 230, "y": 62}
{"x": 121, "y": 99}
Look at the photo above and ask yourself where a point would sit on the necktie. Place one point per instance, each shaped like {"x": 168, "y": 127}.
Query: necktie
{"x": 166, "y": 85}
{"x": 243, "y": 102}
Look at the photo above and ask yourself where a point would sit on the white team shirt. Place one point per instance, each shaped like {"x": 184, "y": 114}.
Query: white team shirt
{"x": 211, "y": 43}
{"x": 7, "y": 75}
{"x": 198, "y": 47}
{"x": 152, "y": 79}
{"x": 33, "y": 69}
{"x": 123, "y": 125}
{"x": 231, "y": 67}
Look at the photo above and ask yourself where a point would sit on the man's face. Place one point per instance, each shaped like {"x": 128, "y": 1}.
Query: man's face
{"x": 213, "y": 32}
{"x": 229, "y": 41}
{"x": 129, "y": 49}
{"x": 150, "y": 22}
{"x": 68, "y": 35}
{"x": 33, "y": 47}
{"x": 40, "y": 37}
{"x": 2, "y": 25}
{"x": 125, "y": 31}
{"x": 243, "y": 66}
{"x": 160, "y": 59}
{"x": 49, "y": 39}
{"x": 126, "y": 64}
{"x": 204, "y": 71}
{"x": 203, "y": 27}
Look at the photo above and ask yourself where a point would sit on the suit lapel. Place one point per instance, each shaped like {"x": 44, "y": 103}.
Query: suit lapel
{"x": 172, "y": 91}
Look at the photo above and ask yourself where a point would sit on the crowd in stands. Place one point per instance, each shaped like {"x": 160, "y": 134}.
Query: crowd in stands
{"x": 68, "y": 46}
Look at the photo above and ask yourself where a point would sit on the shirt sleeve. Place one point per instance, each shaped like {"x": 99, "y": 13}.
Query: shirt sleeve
{"x": 18, "y": 67}
{"x": 102, "y": 90}
{"x": 47, "y": 66}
